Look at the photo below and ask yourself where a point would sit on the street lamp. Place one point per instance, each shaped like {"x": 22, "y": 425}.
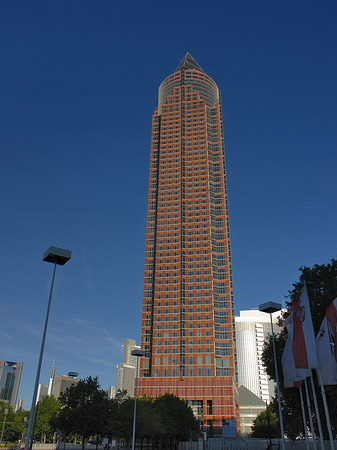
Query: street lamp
{"x": 138, "y": 353}
{"x": 56, "y": 256}
{"x": 270, "y": 308}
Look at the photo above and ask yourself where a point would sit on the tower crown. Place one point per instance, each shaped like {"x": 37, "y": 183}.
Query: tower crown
{"x": 188, "y": 62}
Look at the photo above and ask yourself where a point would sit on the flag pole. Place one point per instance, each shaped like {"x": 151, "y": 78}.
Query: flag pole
{"x": 310, "y": 415}
{"x": 321, "y": 438}
{"x": 326, "y": 410}
{"x": 304, "y": 419}
{"x": 277, "y": 386}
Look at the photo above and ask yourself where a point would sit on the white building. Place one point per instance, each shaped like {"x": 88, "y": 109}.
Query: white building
{"x": 111, "y": 392}
{"x": 126, "y": 371}
{"x": 252, "y": 327}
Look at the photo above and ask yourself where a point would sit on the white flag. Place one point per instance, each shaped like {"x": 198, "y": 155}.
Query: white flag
{"x": 331, "y": 315}
{"x": 325, "y": 352}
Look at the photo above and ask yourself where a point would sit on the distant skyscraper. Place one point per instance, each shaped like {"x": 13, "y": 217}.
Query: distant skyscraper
{"x": 111, "y": 391}
{"x": 42, "y": 391}
{"x": 10, "y": 375}
{"x": 63, "y": 382}
{"x": 126, "y": 371}
{"x": 188, "y": 311}
{"x": 51, "y": 381}
{"x": 19, "y": 405}
{"x": 252, "y": 327}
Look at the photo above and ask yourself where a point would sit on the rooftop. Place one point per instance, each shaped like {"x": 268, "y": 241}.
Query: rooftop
{"x": 188, "y": 62}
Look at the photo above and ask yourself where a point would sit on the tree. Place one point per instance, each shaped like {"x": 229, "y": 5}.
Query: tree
{"x": 8, "y": 421}
{"x": 167, "y": 418}
{"x": 120, "y": 418}
{"x": 321, "y": 281}
{"x": 20, "y": 424}
{"x": 176, "y": 416}
{"x": 266, "y": 425}
{"x": 47, "y": 409}
{"x": 84, "y": 409}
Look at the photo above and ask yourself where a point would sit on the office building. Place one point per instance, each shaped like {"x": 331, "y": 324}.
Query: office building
{"x": 63, "y": 382}
{"x": 126, "y": 371}
{"x": 252, "y": 327}
{"x": 187, "y": 323}
{"x": 10, "y": 376}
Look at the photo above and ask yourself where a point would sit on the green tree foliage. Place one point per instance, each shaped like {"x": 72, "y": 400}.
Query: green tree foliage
{"x": 84, "y": 410}
{"x": 266, "y": 425}
{"x": 166, "y": 418}
{"x": 20, "y": 425}
{"x": 321, "y": 281}
{"x": 14, "y": 422}
{"x": 176, "y": 416}
{"x": 47, "y": 408}
{"x": 9, "y": 422}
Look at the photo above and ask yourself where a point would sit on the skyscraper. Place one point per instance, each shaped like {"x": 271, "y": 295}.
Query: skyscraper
{"x": 10, "y": 376}
{"x": 126, "y": 371}
{"x": 188, "y": 311}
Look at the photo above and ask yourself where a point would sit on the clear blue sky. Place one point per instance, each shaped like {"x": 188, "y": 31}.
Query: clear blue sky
{"x": 78, "y": 85}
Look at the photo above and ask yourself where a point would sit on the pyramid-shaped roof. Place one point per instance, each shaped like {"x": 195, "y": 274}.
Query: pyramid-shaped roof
{"x": 247, "y": 397}
{"x": 188, "y": 62}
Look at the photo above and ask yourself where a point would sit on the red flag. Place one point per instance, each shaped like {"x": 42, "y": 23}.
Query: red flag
{"x": 291, "y": 377}
{"x": 303, "y": 346}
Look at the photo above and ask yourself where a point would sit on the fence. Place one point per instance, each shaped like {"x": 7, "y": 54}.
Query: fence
{"x": 211, "y": 444}
{"x": 247, "y": 444}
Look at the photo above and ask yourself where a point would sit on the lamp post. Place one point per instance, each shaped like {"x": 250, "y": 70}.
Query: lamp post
{"x": 56, "y": 256}
{"x": 138, "y": 353}
{"x": 270, "y": 308}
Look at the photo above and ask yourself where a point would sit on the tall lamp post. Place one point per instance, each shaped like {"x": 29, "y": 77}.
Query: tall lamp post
{"x": 270, "y": 308}
{"x": 56, "y": 256}
{"x": 138, "y": 353}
